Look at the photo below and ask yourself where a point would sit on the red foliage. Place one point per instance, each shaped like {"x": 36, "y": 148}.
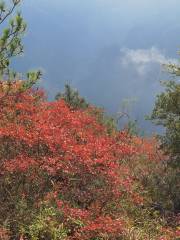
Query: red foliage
{"x": 67, "y": 157}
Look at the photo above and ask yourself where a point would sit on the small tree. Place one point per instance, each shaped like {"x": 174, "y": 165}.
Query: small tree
{"x": 10, "y": 39}
{"x": 11, "y": 34}
{"x": 72, "y": 98}
{"x": 167, "y": 114}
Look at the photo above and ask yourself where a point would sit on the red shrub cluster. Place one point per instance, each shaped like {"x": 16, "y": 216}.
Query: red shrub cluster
{"x": 50, "y": 153}
{"x": 58, "y": 149}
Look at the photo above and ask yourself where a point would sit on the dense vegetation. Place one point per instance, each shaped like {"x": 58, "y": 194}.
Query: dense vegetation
{"x": 64, "y": 175}
{"x": 67, "y": 172}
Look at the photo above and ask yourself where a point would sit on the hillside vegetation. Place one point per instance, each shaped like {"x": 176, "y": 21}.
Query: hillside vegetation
{"x": 68, "y": 173}
{"x": 64, "y": 175}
